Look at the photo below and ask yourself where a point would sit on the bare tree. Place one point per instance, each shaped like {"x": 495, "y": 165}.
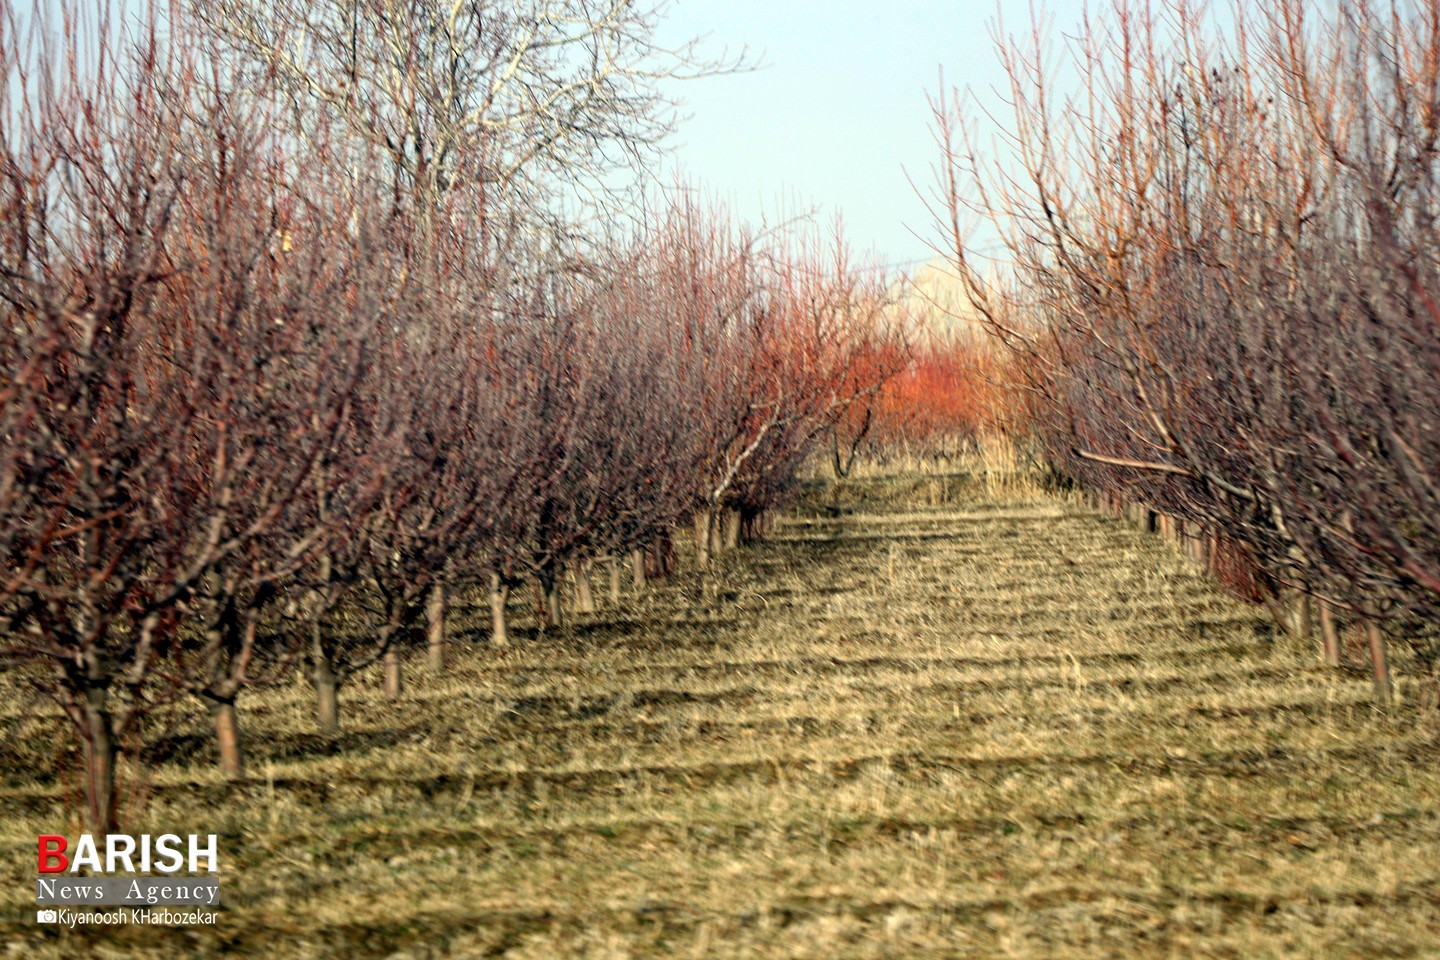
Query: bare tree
{"x": 153, "y": 384}
{"x": 534, "y": 100}
{"x": 1224, "y": 234}
{"x": 280, "y": 275}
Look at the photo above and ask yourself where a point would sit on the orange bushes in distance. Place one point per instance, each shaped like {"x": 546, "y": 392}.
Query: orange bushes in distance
{"x": 948, "y": 391}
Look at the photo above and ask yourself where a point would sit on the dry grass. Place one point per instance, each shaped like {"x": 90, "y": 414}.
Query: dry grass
{"x": 1042, "y": 735}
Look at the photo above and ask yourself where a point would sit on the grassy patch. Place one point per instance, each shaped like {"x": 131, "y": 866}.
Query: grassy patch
{"x": 934, "y": 716}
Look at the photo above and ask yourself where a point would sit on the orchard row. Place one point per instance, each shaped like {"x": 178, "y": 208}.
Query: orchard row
{"x": 1225, "y": 289}
{"x": 278, "y": 387}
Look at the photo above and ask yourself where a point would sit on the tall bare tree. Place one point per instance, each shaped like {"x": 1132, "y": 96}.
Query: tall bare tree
{"x": 536, "y": 100}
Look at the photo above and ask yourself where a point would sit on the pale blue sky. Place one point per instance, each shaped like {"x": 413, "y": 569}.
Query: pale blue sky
{"x": 839, "y": 114}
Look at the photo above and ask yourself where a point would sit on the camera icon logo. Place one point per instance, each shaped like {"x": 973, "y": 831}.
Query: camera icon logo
{"x": 47, "y": 916}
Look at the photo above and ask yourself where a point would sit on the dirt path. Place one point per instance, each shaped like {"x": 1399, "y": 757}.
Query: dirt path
{"x": 1043, "y": 735}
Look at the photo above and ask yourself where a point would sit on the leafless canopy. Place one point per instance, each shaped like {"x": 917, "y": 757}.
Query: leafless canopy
{"x": 1227, "y": 237}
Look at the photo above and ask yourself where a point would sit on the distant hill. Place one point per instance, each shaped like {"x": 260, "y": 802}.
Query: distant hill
{"x": 934, "y": 295}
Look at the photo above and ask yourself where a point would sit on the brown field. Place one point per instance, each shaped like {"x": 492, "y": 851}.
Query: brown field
{"x": 1042, "y": 735}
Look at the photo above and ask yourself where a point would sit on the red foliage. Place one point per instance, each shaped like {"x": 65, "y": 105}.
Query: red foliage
{"x": 947, "y": 391}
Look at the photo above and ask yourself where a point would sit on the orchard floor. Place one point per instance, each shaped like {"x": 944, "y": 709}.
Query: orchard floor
{"x": 1041, "y": 735}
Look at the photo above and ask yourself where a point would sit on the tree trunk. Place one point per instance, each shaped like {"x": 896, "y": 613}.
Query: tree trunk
{"x": 435, "y": 628}
{"x": 1279, "y": 613}
{"x": 101, "y": 752}
{"x": 751, "y": 525}
{"x": 394, "y": 680}
{"x": 1380, "y": 664}
{"x": 499, "y": 593}
{"x": 731, "y": 532}
{"x": 327, "y": 689}
{"x": 1287, "y": 612}
{"x": 841, "y": 470}
{"x": 555, "y": 604}
{"x": 662, "y": 549}
{"x": 1330, "y": 634}
{"x": 554, "y": 608}
{"x": 704, "y": 536}
{"x": 615, "y": 581}
{"x": 584, "y": 595}
{"x": 1300, "y": 611}
{"x": 227, "y": 738}
{"x": 637, "y": 568}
